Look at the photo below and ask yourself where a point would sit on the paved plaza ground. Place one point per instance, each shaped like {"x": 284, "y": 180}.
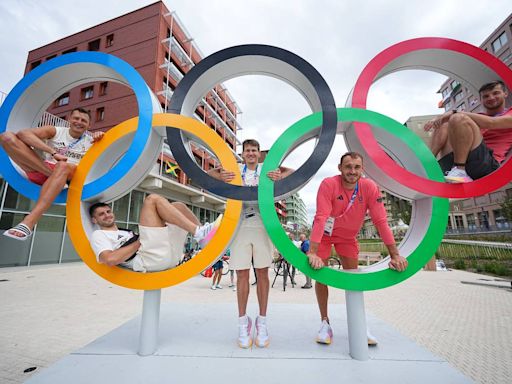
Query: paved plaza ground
{"x": 47, "y": 312}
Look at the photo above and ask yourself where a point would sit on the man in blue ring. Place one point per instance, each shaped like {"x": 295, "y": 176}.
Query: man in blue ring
{"x": 251, "y": 243}
{"x": 49, "y": 156}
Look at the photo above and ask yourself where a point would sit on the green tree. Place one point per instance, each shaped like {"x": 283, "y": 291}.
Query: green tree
{"x": 507, "y": 208}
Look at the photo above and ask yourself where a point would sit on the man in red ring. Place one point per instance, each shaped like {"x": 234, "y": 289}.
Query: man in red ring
{"x": 342, "y": 202}
{"x": 472, "y": 145}
{"x": 251, "y": 246}
{"x": 49, "y": 156}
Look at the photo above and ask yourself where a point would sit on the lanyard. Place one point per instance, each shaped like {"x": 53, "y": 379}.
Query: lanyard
{"x": 74, "y": 143}
{"x": 244, "y": 172}
{"x": 351, "y": 202}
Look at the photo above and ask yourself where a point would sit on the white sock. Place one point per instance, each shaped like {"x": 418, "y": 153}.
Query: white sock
{"x": 243, "y": 319}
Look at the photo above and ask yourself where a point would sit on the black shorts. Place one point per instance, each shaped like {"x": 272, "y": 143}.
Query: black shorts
{"x": 217, "y": 265}
{"x": 480, "y": 162}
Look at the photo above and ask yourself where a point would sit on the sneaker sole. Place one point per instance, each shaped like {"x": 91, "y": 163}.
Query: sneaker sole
{"x": 265, "y": 344}
{"x": 372, "y": 343}
{"x": 325, "y": 342}
{"x": 245, "y": 346}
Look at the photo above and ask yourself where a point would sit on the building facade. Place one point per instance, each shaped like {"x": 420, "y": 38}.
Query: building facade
{"x": 155, "y": 42}
{"x": 296, "y": 213}
{"x": 456, "y": 95}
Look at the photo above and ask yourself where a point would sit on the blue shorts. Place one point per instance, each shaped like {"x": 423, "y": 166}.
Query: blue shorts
{"x": 217, "y": 265}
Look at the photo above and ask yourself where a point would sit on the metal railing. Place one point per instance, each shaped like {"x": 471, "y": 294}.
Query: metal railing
{"x": 49, "y": 119}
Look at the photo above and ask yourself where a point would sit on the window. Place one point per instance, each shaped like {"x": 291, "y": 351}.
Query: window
{"x": 109, "y": 41}
{"x": 499, "y": 42}
{"x": 458, "y": 96}
{"x": 87, "y": 92}
{"x": 459, "y": 221}
{"x": 448, "y": 106}
{"x": 94, "y": 45}
{"x": 100, "y": 114}
{"x": 103, "y": 88}
{"x": 168, "y": 32}
{"x": 35, "y": 64}
{"x": 461, "y": 107}
{"x": 445, "y": 92}
{"x": 69, "y": 51}
{"x": 454, "y": 84}
{"x": 62, "y": 100}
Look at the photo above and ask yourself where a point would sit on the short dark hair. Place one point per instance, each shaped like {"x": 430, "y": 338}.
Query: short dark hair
{"x": 353, "y": 155}
{"x": 252, "y": 143}
{"x": 95, "y": 206}
{"x": 491, "y": 85}
{"x": 82, "y": 110}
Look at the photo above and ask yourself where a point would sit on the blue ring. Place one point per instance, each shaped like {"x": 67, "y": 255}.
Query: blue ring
{"x": 142, "y": 94}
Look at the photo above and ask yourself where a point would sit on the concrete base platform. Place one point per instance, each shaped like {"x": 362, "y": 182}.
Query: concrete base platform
{"x": 198, "y": 343}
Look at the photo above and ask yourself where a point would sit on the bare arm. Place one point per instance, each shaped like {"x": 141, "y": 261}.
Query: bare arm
{"x": 221, "y": 174}
{"x": 279, "y": 173}
{"x": 120, "y": 255}
{"x": 34, "y": 137}
{"x": 483, "y": 121}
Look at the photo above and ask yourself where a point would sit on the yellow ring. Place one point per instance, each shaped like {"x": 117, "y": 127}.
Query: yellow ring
{"x": 153, "y": 280}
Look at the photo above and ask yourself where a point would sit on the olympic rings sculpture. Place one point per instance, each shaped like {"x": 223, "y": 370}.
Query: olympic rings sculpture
{"x": 418, "y": 178}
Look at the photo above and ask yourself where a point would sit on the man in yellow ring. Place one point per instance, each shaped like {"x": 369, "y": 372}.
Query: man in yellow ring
{"x": 163, "y": 228}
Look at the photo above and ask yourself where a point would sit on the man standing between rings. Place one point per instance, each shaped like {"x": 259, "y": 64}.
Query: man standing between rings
{"x": 251, "y": 243}
{"x": 472, "y": 145}
{"x": 49, "y": 156}
{"x": 341, "y": 205}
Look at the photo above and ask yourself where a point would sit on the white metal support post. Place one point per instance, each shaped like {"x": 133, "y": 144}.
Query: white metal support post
{"x": 356, "y": 325}
{"x": 148, "y": 338}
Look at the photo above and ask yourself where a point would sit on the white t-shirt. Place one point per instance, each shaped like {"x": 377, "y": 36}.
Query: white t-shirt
{"x": 251, "y": 178}
{"x": 67, "y": 145}
{"x": 110, "y": 241}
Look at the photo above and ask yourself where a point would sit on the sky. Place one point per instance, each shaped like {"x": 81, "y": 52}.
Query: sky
{"x": 337, "y": 37}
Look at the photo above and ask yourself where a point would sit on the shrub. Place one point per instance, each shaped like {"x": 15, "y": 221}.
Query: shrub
{"x": 459, "y": 264}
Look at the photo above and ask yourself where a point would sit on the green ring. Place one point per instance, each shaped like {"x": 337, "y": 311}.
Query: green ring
{"x": 354, "y": 281}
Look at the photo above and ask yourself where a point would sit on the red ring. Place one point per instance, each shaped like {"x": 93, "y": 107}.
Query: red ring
{"x": 478, "y": 187}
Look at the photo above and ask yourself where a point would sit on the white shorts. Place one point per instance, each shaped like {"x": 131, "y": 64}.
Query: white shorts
{"x": 161, "y": 248}
{"x": 251, "y": 245}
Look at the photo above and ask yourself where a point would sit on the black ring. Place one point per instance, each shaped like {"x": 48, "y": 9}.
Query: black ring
{"x": 326, "y": 134}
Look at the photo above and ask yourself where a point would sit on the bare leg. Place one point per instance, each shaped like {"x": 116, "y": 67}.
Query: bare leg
{"x": 322, "y": 297}
{"x": 157, "y": 211}
{"x": 262, "y": 289}
{"x": 216, "y": 277}
{"x": 463, "y": 135}
{"x": 49, "y": 191}
{"x": 242, "y": 292}
{"x": 22, "y": 154}
{"x": 439, "y": 143}
{"x": 186, "y": 212}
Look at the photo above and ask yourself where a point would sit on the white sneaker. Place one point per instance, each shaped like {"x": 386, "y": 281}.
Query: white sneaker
{"x": 234, "y": 288}
{"x": 205, "y": 233}
{"x": 324, "y": 335}
{"x": 457, "y": 175}
{"x": 244, "y": 332}
{"x": 231, "y": 285}
{"x": 372, "y": 340}
{"x": 214, "y": 287}
{"x": 218, "y": 286}
{"x": 262, "y": 339}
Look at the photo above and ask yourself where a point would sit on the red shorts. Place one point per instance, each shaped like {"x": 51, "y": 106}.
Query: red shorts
{"x": 38, "y": 177}
{"x": 343, "y": 247}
